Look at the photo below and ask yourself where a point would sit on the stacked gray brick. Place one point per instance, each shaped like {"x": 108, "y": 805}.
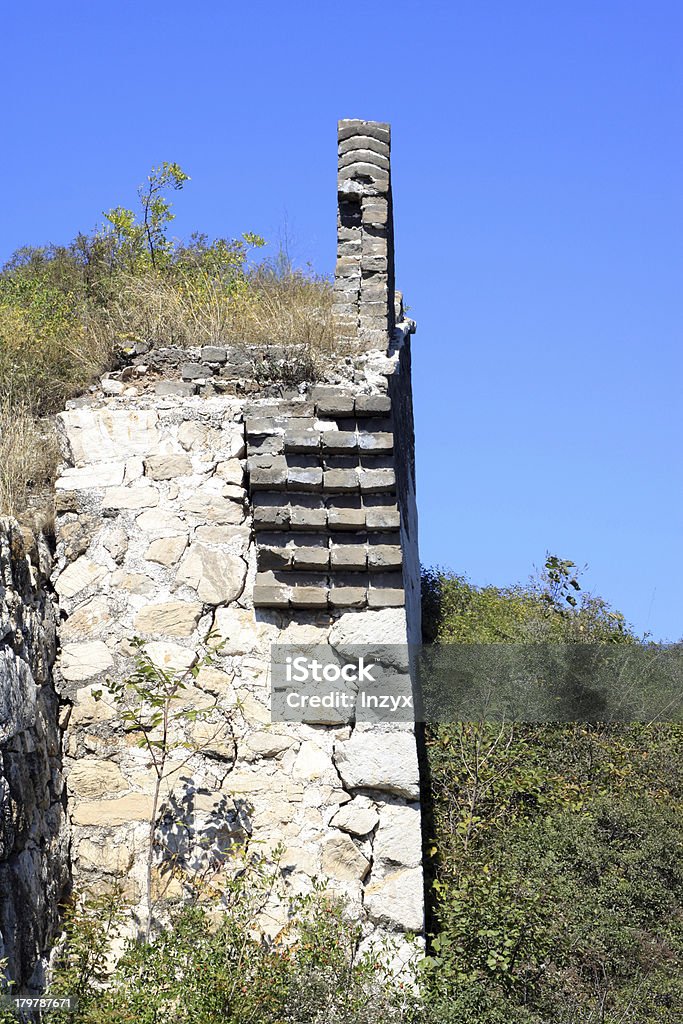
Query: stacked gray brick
{"x": 323, "y": 490}
{"x": 327, "y": 478}
{"x": 364, "y": 276}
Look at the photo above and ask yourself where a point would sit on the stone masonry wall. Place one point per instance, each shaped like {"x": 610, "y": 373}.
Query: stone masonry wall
{"x": 33, "y": 839}
{"x": 196, "y": 501}
{"x": 159, "y": 537}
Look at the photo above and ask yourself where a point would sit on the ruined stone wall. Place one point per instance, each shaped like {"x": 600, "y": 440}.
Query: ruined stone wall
{"x": 168, "y": 528}
{"x": 203, "y": 505}
{"x": 33, "y": 839}
{"x": 195, "y": 500}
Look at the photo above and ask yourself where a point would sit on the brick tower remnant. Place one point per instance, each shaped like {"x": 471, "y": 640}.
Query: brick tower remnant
{"x": 364, "y": 278}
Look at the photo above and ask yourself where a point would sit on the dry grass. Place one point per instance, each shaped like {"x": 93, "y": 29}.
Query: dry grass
{"x": 28, "y": 460}
{"x": 50, "y": 352}
{"x": 263, "y": 308}
{"x": 40, "y": 369}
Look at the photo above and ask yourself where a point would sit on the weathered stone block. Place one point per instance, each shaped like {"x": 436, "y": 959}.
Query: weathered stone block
{"x": 175, "y": 389}
{"x": 385, "y": 556}
{"x": 271, "y": 515}
{"x": 309, "y": 596}
{"x": 270, "y": 595}
{"x": 339, "y": 441}
{"x": 397, "y": 840}
{"x": 214, "y": 508}
{"x": 386, "y": 591}
{"x": 375, "y": 211}
{"x": 167, "y": 467}
{"x": 305, "y": 441}
{"x": 135, "y": 496}
{"x": 214, "y": 354}
{"x": 344, "y": 480}
{"x": 171, "y": 657}
{"x": 373, "y": 264}
{"x": 80, "y": 574}
{"x": 194, "y": 371}
{"x": 266, "y": 461}
{"x": 384, "y": 761}
{"x": 91, "y": 778}
{"x": 273, "y": 557}
{"x": 166, "y": 550}
{"x": 351, "y": 127}
{"x": 373, "y": 405}
{"x": 121, "y": 811}
{"x": 231, "y": 471}
{"x": 84, "y": 660}
{"x": 96, "y": 435}
{"x": 346, "y": 267}
{"x": 381, "y": 516}
{"x": 349, "y": 556}
{"x": 101, "y": 474}
{"x": 268, "y": 479}
{"x": 172, "y": 618}
{"x": 377, "y": 480}
{"x": 378, "y": 176}
{"x": 301, "y": 478}
{"x": 283, "y": 410}
{"x": 359, "y": 155}
{"x": 307, "y": 515}
{"x": 347, "y": 597}
{"x": 332, "y": 401}
{"x": 363, "y": 142}
{"x": 377, "y": 443}
{"x": 372, "y": 337}
{"x": 349, "y": 517}
{"x": 347, "y": 233}
{"x": 258, "y": 426}
{"x": 343, "y": 860}
{"x": 269, "y": 744}
{"x": 396, "y": 900}
{"x": 358, "y": 817}
{"x": 217, "y": 576}
{"x": 309, "y": 556}
{"x": 351, "y": 248}
{"x": 88, "y": 619}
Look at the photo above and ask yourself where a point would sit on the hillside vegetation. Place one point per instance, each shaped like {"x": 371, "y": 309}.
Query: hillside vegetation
{"x": 557, "y": 850}
{"x": 67, "y": 312}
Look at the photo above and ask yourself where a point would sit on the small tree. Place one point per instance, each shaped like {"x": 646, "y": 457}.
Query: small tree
{"x": 148, "y": 705}
{"x": 134, "y": 241}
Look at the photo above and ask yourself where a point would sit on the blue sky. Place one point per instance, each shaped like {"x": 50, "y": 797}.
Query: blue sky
{"x": 537, "y": 165}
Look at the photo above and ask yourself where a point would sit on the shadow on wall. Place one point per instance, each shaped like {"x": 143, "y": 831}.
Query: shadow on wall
{"x": 198, "y": 834}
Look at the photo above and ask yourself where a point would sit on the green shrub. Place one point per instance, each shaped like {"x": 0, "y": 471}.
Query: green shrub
{"x": 213, "y": 964}
{"x": 556, "y": 850}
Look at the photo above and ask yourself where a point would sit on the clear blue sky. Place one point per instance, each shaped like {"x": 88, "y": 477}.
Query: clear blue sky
{"x": 538, "y": 192}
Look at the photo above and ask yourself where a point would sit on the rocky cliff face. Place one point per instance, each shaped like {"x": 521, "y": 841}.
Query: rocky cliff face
{"x": 33, "y": 842}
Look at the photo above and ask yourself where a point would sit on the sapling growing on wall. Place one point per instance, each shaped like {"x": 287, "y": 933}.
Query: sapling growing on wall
{"x": 149, "y": 702}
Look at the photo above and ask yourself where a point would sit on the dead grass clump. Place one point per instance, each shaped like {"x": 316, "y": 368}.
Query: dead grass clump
{"x": 44, "y": 363}
{"x": 29, "y": 454}
{"x": 289, "y": 308}
{"x": 262, "y": 307}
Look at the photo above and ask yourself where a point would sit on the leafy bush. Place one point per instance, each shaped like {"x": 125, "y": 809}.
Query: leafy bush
{"x": 557, "y": 850}
{"x": 212, "y": 964}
